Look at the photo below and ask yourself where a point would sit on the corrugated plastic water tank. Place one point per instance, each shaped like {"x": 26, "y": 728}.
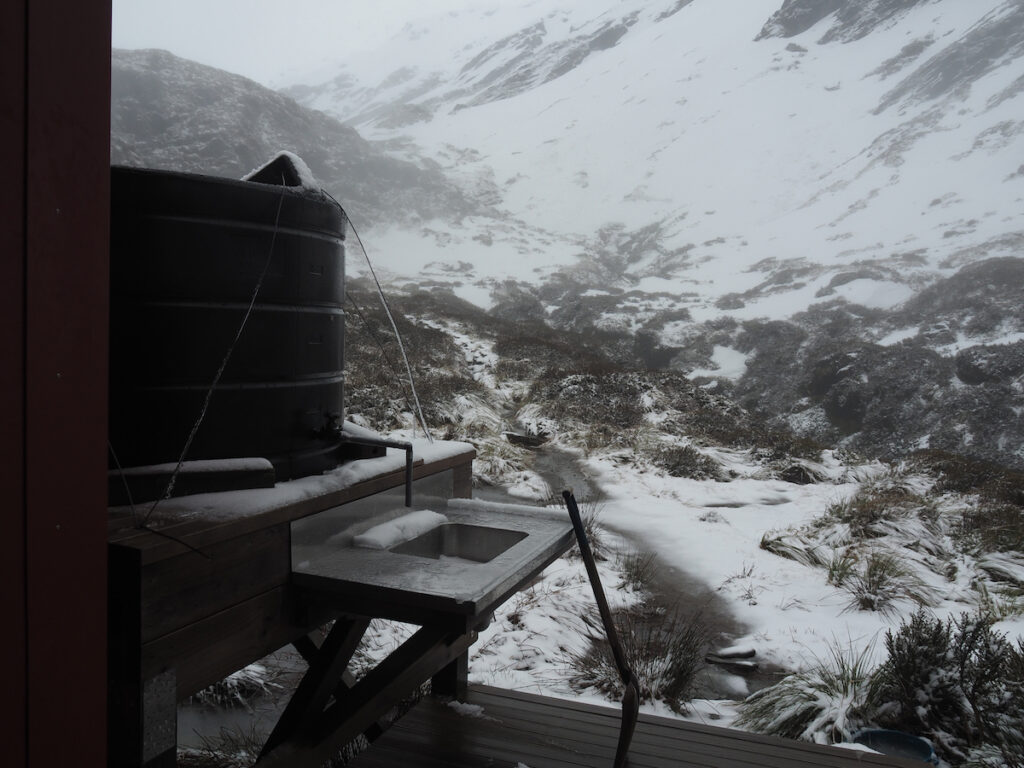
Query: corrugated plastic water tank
{"x": 187, "y": 252}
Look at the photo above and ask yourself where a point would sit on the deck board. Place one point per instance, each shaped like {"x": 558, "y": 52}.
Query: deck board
{"x": 544, "y": 732}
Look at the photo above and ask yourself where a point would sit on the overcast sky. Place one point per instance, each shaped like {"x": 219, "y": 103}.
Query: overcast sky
{"x": 266, "y": 39}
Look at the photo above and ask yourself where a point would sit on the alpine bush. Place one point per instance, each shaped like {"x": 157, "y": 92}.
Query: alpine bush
{"x": 958, "y": 681}
{"x": 687, "y": 461}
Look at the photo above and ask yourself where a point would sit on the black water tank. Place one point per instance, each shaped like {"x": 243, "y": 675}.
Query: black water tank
{"x": 187, "y": 252}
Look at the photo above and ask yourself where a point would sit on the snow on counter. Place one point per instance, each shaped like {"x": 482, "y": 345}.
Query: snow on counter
{"x": 204, "y": 466}
{"x": 229, "y": 505}
{"x": 399, "y": 530}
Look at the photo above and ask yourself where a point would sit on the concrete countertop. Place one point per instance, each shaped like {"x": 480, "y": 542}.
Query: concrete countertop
{"x": 401, "y": 586}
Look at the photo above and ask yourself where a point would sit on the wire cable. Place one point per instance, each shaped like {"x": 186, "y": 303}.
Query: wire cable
{"x": 391, "y": 318}
{"x": 383, "y": 349}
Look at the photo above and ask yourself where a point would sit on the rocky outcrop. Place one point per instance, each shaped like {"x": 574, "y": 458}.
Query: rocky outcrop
{"x": 994, "y": 42}
{"x": 853, "y": 19}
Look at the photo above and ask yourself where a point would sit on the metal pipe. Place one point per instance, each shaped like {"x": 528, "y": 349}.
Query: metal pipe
{"x": 380, "y": 442}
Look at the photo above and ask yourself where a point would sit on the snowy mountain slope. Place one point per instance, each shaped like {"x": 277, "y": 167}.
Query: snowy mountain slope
{"x": 839, "y": 168}
{"x": 755, "y": 198}
{"x": 883, "y": 128}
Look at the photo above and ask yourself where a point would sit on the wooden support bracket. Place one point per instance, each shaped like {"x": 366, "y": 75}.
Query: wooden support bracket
{"x": 320, "y": 681}
{"x": 311, "y": 731}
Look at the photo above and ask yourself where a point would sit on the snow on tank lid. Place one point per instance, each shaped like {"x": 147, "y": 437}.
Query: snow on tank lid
{"x": 285, "y": 168}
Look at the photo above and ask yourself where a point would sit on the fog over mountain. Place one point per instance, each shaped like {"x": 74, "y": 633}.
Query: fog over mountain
{"x": 813, "y": 207}
{"x": 175, "y": 114}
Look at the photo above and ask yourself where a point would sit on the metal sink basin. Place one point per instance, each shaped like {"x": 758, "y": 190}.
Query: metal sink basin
{"x": 461, "y": 541}
{"x": 459, "y": 571}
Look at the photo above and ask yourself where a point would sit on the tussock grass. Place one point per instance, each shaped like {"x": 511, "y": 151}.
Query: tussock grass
{"x": 240, "y": 688}
{"x": 958, "y": 682}
{"x": 885, "y": 541}
{"x": 825, "y": 704}
{"x": 879, "y": 509}
{"x": 992, "y": 756}
{"x": 231, "y": 748}
{"x": 636, "y": 570}
{"x": 497, "y": 459}
{"x": 1005, "y": 567}
{"x": 1001, "y": 602}
{"x": 841, "y": 567}
{"x": 591, "y": 510}
{"x": 881, "y": 581}
{"x": 793, "y": 546}
{"x": 664, "y": 649}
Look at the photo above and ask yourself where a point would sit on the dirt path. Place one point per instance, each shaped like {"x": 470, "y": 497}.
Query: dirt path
{"x": 671, "y": 588}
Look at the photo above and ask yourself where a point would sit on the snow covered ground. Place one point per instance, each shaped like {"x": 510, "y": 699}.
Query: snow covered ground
{"x": 789, "y": 612}
{"x": 792, "y": 616}
{"x": 724, "y": 534}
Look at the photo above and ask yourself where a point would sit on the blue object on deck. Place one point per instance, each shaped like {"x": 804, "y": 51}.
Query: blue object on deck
{"x": 897, "y": 744}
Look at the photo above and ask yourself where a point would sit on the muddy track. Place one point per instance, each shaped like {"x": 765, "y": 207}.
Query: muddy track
{"x": 671, "y": 589}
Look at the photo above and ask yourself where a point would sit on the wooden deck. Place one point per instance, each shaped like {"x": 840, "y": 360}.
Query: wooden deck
{"x": 541, "y": 732}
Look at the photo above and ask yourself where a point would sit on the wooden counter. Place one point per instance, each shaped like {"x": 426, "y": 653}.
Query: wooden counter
{"x": 205, "y": 588}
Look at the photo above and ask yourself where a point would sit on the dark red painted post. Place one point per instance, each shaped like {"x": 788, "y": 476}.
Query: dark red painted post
{"x": 12, "y": 383}
{"x": 54, "y": 221}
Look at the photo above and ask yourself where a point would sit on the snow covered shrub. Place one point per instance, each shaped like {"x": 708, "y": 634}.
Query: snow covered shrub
{"x": 992, "y": 527}
{"x": 963, "y": 475}
{"x": 719, "y": 424}
{"x": 613, "y": 399}
{"x": 376, "y": 385}
{"x": 686, "y": 461}
{"x": 959, "y": 682}
{"x": 825, "y": 704}
{"x": 665, "y": 650}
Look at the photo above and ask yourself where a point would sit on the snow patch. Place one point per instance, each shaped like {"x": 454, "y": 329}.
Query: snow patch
{"x": 400, "y": 529}
{"x": 875, "y": 294}
{"x": 467, "y": 710}
{"x": 727, "y": 362}
{"x": 895, "y": 337}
